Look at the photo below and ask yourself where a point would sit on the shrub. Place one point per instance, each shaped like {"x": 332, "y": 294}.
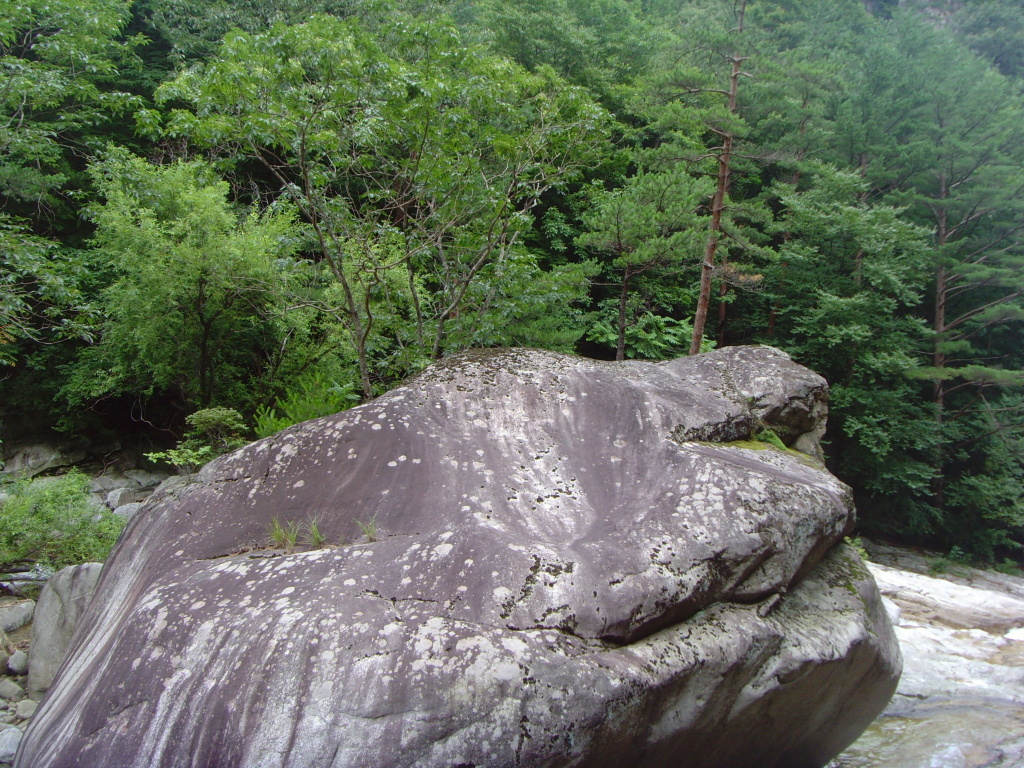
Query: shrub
{"x": 313, "y": 396}
{"x": 212, "y": 432}
{"x": 219, "y": 428}
{"x": 54, "y": 522}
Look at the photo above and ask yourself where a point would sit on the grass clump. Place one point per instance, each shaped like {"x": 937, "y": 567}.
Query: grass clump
{"x": 284, "y": 535}
{"x": 289, "y": 535}
{"x": 55, "y": 523}
{"x": 369, "y": 528}
{"x": 314, "y": 537}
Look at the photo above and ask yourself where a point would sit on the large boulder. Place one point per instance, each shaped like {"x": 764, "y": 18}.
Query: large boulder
{"x": 32, "y": 460}
{"x": 556, "y": 562}
{"x": 62, "y": 603}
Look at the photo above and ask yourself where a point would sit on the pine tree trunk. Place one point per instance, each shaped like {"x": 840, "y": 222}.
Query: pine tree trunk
{"x": 938, "y": 354}
{"x": 717, "y": 206}
{"x": 620, "y": 346}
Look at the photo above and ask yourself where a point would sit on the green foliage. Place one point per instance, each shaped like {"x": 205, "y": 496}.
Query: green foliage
{"x": 647, "y": 232}
{"x": 195, "y": 28}
{"x": 842, "y": 295}
{"x": 984, "y": 493}
{"x": 858, "y": 544}
{"x": 369, "y": 528}
{"x": 57, "y": 59}
{"x": 211, "y": 433}
{"x": 290, "y": 534}
{"x": 195, "y": 286}
{"x": 1008, "y": 567}
{"x": 54, "y": 522}
{"x": 769, "y": 436}
{"x": 284, "y": 535}
{"x": 995, "y": 30}
{"x": 390, "y": 181}
{"x": 313, "y": 535}
{"x": 42, "y": 291}
{"x": 434, "y": 181}
{"x": 186, "y": 459}
{"x": 514, "y": 302}
{"x": 600, "y": 44}
{"x": 219, "y": 428}
{"x": 311, "y": 397}
{"x": 648, "y": 336}
{"x": 953, "y": 562}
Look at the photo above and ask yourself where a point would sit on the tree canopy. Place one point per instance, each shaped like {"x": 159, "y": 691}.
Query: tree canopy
{"x": 277, "y": 207}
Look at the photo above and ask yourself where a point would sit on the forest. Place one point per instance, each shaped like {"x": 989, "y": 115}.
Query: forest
{"x": 272, "y": 210}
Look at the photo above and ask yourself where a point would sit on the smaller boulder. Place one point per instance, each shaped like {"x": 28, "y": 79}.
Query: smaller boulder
{"x": 25, "y": 709}
{"x": 173, "y": 484}
{"x": 10, "y": 738}
{"x": 18, "y": 663}
{"x": 10, "y": 690}
{"x": 121, "y": 496}
{"x": 61, "y": 604}
{"x": 128, "y": 511}
{"x": 145, "y": 478}
{"x": 104, "y": 484}
{"x": 16, "y": 615}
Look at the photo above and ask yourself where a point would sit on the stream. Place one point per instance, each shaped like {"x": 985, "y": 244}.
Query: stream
{"x": 960, "y": 702}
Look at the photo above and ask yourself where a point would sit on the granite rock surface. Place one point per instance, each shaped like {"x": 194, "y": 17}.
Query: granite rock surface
{"x": 554, "y": 562}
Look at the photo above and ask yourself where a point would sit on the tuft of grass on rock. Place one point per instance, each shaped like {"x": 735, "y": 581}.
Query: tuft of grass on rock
{"x": 284, "y": 535}
{"x": 314, "y": 537}
{"x": 369, "y": 528}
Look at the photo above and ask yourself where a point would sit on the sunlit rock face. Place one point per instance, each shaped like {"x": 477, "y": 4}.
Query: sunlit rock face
{"x": 566, "y": 566}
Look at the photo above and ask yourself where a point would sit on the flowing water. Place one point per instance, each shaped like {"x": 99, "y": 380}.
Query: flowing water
{"x": 960, "y": 702}
{"x": 951, "y": 734}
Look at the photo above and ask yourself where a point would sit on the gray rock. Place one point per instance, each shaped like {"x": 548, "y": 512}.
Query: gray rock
{"x": 18, "y": 663}
{"x": 892, "y": 610}
{"x": 145, "y": 478}
{"x": 104, "y": 484}
{"x": 926, "y": 599}
{"x": 955, "y": 573}
{"x": 25, "y": 709}
{"x": 128, "y": 511}
{"x": 563, "y": 570}
{"x": 121, "y": 496}
{"x": 31, "y": 460}
{"x": 10, "y": 738}
{"x": 16, "y": 615}
{"x": 174, "y": 484}
{"x": 10, "y": 690}
{"x": 61, "y": 604}
{"x": 113, "y": 489}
